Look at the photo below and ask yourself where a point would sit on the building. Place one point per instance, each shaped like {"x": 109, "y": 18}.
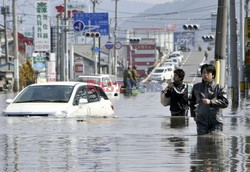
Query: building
{"x": 143, "y": 54}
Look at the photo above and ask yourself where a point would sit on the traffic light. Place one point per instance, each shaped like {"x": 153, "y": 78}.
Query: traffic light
{"x": 92, "y": 34}
{"x": 47, "y": 55}
{"x": 208, "y": 38}
{"x": 191, "y": 27}
{"x": 134, "y": 40}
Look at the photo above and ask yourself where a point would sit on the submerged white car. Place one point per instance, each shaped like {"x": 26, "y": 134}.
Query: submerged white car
{"x": 62, "y": 99}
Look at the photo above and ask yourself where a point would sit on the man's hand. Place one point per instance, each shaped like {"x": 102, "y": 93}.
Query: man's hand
{"x": 206, "y": 101}
{"x": 170, "y": 85}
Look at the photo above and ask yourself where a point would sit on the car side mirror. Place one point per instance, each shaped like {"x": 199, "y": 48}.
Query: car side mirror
{"x": 83, "y": 101}
{"x": 9, "y": 101}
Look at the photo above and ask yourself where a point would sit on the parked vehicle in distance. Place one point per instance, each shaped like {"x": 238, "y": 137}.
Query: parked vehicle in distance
{"x": 61, "y": 99}
{"x": 177, "y": 54}
{"x": 199, "y": 69}
{"x": 150, "y": 69}
{"x": 212, "y": 62}
{"x": 108, "y": 83}
{"x": 168, "y": 64}
{"x": 184, "y": 49}
{"x": 162, "y": 73}
{"x": 176, "y": 62}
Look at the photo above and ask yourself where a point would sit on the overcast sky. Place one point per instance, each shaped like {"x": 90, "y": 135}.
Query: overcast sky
{"x": 126, "y": 8}
{"x": 152, "y": 1}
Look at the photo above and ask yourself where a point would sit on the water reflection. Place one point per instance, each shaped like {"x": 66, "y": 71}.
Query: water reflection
{"x": 179, "y": 121}
{"x": 209, "y": 154}
{"x": 180, "y": 143}
{"x": 144, "y": 138}
{"x": 45, "y": 153}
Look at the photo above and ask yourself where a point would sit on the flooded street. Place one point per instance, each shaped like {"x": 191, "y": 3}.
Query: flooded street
{"x": 144, "y": 137}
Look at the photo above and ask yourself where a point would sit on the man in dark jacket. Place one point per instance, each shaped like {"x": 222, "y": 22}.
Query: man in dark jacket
{"x": 178, "y": 92}
{"x": 126, "y": 77}
{"x": 207, "y": 100}
{"x": 134, "y": 76}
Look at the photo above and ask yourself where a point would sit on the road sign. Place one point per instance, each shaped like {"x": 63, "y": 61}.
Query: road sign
{"x": 94, "y": 22}
{"x": 78, "y": 25}
{"x": 109, "y": 45}
{"x": 96, "y": 49}
{"x": 118, "y": 45}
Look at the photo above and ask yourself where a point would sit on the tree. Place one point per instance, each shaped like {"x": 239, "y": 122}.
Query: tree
{"x": 26, "y": 74}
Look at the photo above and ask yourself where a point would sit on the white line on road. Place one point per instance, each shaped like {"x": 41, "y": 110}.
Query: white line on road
{"x": 186, "y": 59}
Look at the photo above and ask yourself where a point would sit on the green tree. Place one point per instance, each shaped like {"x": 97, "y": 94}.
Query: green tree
{"x": 26, "y": 74}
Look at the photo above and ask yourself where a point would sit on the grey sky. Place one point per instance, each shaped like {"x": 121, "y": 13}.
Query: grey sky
{"x": 152, "y": 1}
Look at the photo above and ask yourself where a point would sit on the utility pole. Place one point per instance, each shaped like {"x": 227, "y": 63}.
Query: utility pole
{"x": 115, "y": 37}
{"x": 94, "y": 2}
{"x": 110, "y": 57}
{"x": 99, "y": 55}
{"x": 242, "y": 45}
{"x": 233, "y": 55}
{"x": 66, "y": 54}
{"x": 5, "y": 11}
{"x": 220, "y": 41}
{"x": 16, "y": 59}
{"x": 58, "y": 54}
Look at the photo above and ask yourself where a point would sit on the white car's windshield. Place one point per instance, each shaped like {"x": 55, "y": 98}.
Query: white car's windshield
{"x": 168, "y": 64}
{"x": 45, "y": 93}
{"x": 158, "y": 70}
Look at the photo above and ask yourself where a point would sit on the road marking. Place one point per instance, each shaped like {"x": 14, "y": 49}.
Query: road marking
{"x": 196, "y": 75}
{"x": 186, "y": 59}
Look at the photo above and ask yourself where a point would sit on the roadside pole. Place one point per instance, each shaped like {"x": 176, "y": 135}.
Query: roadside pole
{"x": 110, "y": 56}
{"x": 5, "y": 12}
{"x": 233, "y": 55}
{"x": 58, "y": 56}
{"x": 71, "y": 66}
{"x": 99, "y": 54}
{"x": 115, "y": 39}
{"x": 66, "y": 52}
{"x": 62, "y": 74}
{"x": 16, "y": 59}
{"x": 94, "y": 44}
{"x": 220, "y": 41}
{"x": 242, "y": 45}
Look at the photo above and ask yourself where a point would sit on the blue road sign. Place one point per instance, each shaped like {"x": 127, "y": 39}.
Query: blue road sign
{"x": 96, "y": 49}
{"x": 78, "y": 25}
{"x": 109, "y": 45}
{"x": 94, "y": 22}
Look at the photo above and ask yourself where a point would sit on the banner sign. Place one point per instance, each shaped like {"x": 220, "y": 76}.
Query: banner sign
{"x": 39, "y": 62}
{"x": 42, "y": 27}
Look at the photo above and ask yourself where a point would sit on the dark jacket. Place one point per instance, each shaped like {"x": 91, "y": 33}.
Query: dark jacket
{"x": 208, "y": 114}
{"x": 179, "y": 97}
{"x": 134, "y": 74}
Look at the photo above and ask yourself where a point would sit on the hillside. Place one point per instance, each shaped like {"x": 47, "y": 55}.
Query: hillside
{"x": 179, "y": 12}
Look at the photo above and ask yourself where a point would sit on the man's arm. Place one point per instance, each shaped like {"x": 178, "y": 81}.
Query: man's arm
{"x": 221, "y": 100}
{"x": 192, "y": 104}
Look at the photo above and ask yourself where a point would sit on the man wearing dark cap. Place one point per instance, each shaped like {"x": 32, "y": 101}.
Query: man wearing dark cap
{"x": 178, "y": 92}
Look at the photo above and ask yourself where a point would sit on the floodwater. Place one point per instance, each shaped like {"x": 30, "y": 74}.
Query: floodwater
{"x": 144, "y": 138}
